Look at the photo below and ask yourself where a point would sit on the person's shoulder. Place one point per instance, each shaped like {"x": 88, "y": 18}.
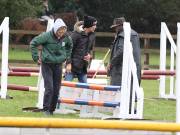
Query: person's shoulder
{"x": 67, "y": 36}
{"x": 120, "y": 34}
{"x": 92, "y": 35}
{"x": 46, "y": 33}
{"x": 75, "y": 35}
{"x": 78, "y": 27}
{"x": 134, "y": 33}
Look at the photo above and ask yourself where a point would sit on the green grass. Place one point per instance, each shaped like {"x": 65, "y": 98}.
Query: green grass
{"x": 19, "y": 54}
{"x": 29, "y": 81}
{"x": 13, "y": 107}
{"x": 155, "y": 109}
{"x": 159, "y": 109}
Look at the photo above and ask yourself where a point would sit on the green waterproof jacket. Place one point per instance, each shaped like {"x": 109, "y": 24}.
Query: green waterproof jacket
{"x": 53, "y": 50}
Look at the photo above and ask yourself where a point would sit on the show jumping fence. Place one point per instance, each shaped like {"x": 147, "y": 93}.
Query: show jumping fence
{"x": 126, "y": 97}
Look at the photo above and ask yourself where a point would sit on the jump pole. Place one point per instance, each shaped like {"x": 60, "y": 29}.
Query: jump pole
{"x": 21, "y": 74}
{"x": 21, "y": 87}
{"x": 144, "y": 72}
{"x": 68, "y": 84}
{"x": 24, "y": 69}
{"x": 144, "y": 77}
{"x": 25, "y": 122}
{"x": 100, "y": 72}
{"x": 89, "y": 103}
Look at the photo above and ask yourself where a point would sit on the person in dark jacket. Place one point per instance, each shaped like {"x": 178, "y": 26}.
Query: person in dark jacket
{"x": 56, "y": 49}
{"x": 83, "y": 39}
{"x": 116, "y": 58}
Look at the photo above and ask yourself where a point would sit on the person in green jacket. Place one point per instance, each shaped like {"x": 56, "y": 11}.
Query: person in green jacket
{"x": 56, "y": 49}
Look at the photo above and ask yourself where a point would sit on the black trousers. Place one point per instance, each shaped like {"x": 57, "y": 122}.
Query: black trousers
{"x": 52, "y": 74}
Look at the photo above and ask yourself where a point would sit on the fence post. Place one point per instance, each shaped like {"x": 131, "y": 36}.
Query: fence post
{"x": 162, "y": 60}
{"x": 4, "y": 28}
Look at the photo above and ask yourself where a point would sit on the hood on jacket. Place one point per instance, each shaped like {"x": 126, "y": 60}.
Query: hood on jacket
{"x": 78, "y": 27}
{"x": 58, "y": 24}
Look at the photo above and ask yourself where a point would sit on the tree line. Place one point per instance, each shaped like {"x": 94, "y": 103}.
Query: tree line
{"x": 145, "y": 16}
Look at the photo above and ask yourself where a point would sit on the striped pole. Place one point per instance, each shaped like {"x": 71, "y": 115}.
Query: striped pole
{"x": 100, "y": 72}
{"x": 144, "y": 77}
{"x": 69, "y": 84}
{"x": 150, "y": 77}
{"x": 22, "y": 74}
{"x": 21, "y": 88}
{"x": 91, "y": 86}
{"x": 89, "y": 103}
{"x": 158, "y": 72}
{"x": 24, "y": 69}
{"x": 144, "y": 72}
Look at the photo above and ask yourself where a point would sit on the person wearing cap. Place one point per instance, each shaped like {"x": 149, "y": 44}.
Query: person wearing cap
{"x": 116, "y": 58}
{"x": 83, "y": 38}
{"x": 56, "y": 49}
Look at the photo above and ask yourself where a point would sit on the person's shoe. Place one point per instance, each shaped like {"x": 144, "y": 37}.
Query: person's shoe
{"x": 51, "y": 113}
{"x": 48, "y": 113}
{"x": 38, "y": 110}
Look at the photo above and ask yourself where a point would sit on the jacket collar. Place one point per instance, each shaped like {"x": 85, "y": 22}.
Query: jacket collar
{"x": 120, "y": 34}
{"x": 54, "y": 36}
{"x": 133, "y": 33}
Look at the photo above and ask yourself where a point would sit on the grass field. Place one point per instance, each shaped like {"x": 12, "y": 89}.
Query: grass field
{"x": 155, "y": 109}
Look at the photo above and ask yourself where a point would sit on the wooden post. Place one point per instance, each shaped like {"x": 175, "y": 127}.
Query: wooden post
{"x": 146, "y": 53}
